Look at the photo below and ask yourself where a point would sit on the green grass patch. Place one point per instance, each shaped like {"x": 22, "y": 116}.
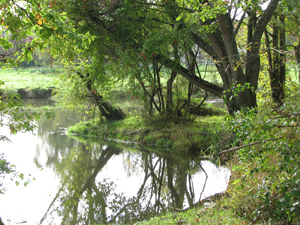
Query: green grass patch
{"x": 187, "y": 135}
{"x": 216, "y": 213}
{"x": 29, "y": 78}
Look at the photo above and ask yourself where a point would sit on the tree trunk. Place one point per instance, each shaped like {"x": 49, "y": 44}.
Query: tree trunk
{"x": 282, "y": 42}
{"x": 276, "y": 60}
{"x": 222, "y": 47}
{"x": 108, "y": 111}
{"x": 297, "y": 54}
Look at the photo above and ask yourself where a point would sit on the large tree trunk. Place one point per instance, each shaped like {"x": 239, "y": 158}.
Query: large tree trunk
{"x": 222, "y": 47}
{"x": 276, "y": 60}
{"x": 297, "y": 54}
{"x": 107, "y": 110}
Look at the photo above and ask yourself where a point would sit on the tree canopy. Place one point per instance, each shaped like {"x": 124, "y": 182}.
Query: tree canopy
{"x": 100, "y": 42}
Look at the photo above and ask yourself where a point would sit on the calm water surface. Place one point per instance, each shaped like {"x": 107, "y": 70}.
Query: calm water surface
{"x": 89, "y": 181}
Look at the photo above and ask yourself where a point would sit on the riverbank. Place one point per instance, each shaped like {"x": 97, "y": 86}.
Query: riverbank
{"x": 214, "y": 212}
{"x": 30, "y": 92}
{"x": 37, "y": 82}
{"x": 190, "y": 135}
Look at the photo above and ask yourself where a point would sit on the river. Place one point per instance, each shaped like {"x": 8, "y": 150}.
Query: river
{"x": 90, "y": 181}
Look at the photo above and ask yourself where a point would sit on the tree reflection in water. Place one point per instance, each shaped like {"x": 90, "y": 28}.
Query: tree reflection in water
{"x": 87, "y": 197}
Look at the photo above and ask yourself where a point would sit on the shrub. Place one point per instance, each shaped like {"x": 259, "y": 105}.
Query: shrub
{"x": 267, "y": 178}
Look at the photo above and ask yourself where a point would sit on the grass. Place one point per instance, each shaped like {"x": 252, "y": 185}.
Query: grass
{"x": 190, "y": 134}
{"x": 29, "y": 78}
{"x": 216, "y": 213}
{"x": 292, "y": 74}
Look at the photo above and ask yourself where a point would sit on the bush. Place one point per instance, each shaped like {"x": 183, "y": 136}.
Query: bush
{"x": 266, "y": 187}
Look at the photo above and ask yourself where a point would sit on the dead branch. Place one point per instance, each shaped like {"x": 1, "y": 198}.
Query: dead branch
{"x": 244, "y": 146}
{"x": 286, "y": 125}
{"x": 286, "y": 115}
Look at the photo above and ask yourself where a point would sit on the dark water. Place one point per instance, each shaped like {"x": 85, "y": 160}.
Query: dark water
{"x": 91, "y": 181}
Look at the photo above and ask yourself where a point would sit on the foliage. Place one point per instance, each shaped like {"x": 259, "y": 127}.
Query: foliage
{"x": 5, "y": 169}
{"x": 13, "y": 116}
{"x": 266, "y": 174}
{"x": 106, "y": 42}
{"x": 8, "y": 170}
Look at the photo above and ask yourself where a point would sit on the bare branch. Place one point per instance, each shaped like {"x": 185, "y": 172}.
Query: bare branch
{"x": 239, "y": 24}
{"x": 286, "y": 115}
{"x": 286, "y": 125}
{"x": 244, "y": 146}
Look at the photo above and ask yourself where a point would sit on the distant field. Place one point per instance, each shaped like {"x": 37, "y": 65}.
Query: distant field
{"x": 293, "y": 75}
{"x": 41, "y": 77}
{"x": 28, "y": 78}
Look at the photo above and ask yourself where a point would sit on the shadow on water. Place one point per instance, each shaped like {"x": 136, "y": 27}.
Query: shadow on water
{"x": 104, "y": 182}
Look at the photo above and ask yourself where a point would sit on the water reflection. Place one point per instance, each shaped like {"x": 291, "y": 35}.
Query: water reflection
{"x": 101, "y": 182}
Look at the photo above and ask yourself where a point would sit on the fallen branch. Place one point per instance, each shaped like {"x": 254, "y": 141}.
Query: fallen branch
{"x": 286, "y": 125}
{"x": 286, "y": 115}
{"x": 244, "y": 146}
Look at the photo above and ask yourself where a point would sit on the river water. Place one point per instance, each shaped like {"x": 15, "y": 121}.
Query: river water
{"x": 77, "y": 181}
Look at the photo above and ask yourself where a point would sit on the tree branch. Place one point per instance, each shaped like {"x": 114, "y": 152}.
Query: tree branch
{"x": 244, "y": 146}
{"x": 264, "y": 20}
{"x": 205, "y": 85}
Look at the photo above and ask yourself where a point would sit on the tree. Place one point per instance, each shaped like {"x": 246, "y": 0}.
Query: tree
{"x": 281, "y": 39}
{"x": 55, "y": 36}
{"x": 216, "y": 36}
{"x": 221, "y": 44}
{"x": 16, "y": 45}
{"x": 211, "y": 26}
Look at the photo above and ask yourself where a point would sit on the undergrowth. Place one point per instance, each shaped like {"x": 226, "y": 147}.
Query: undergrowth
{"x": 266, "y": 178}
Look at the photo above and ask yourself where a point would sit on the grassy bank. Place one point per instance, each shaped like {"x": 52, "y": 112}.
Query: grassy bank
{"x": 211, "y": 213}
{"x": 34, "y": 81}
{"x": 187, "y": 135}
